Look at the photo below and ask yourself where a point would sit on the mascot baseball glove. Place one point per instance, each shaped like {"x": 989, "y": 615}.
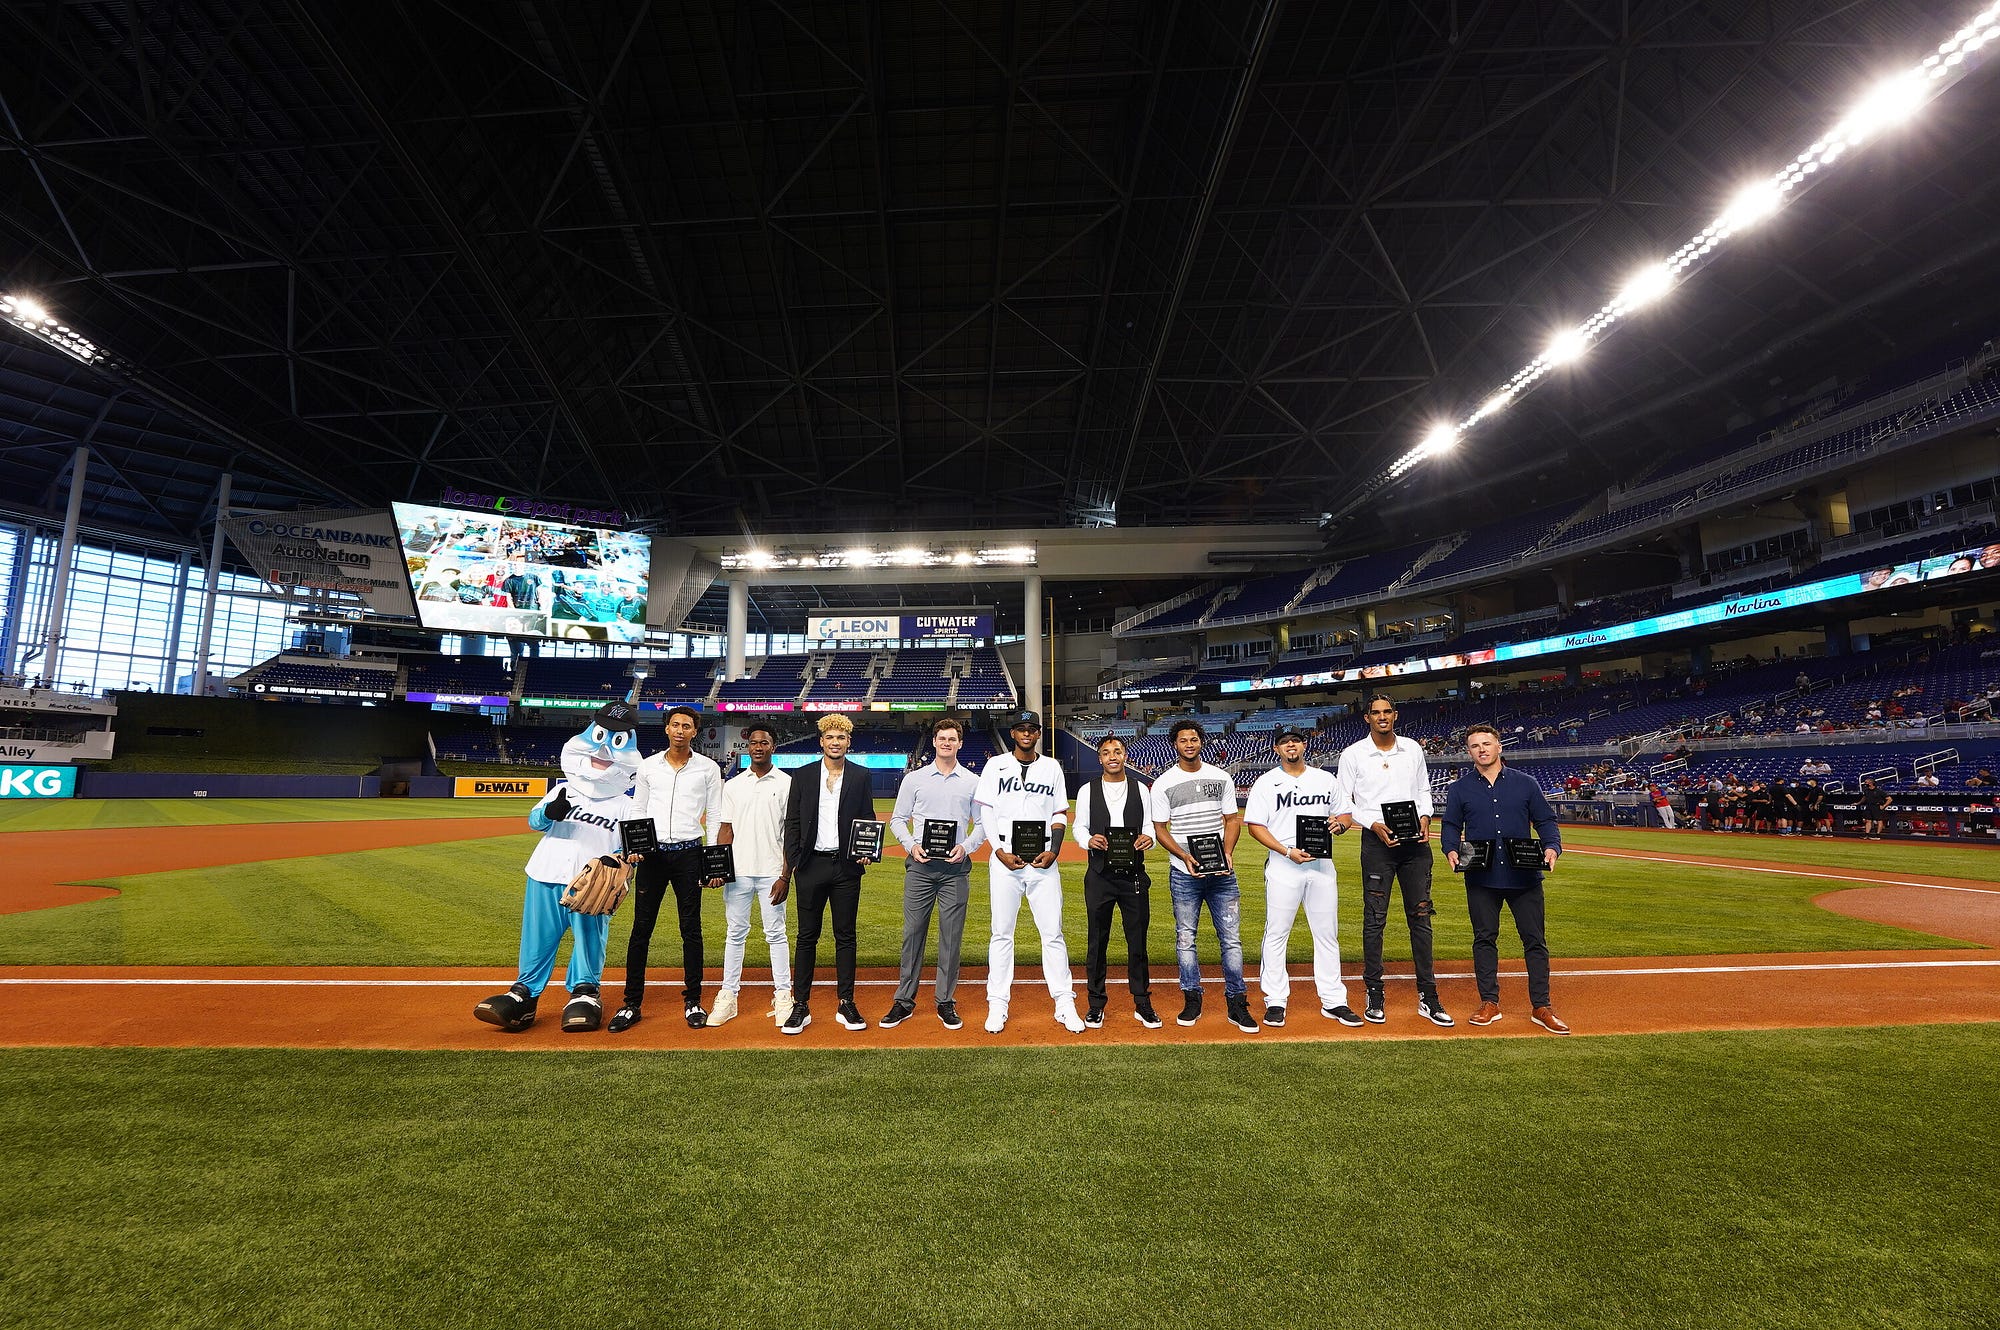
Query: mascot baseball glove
{"x": 601, "y": 886}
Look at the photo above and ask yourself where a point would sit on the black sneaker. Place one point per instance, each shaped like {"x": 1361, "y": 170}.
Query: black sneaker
{"x": 1094, "y": 1018}
{"x": 1142, "y": 1012}
{"x": 849, "y": 1015}
{"x": 1343, "y": 1013}
{"x": 899, "y": 1011}
{"x": 1274, "y": 1015}
{"x": 1433, "y": 1011}
{"x": 696, "y": 1017}
{"x": 1374, "y": 1011}
{"x": 513, "y": 1010}
{"x": 797, "y": 1021}
{"x": 948, "y": 1013}
{"x": 623, "y": 1019}
{"x": 1239, "y": 1014}
{"x": 1190, "y": 1009}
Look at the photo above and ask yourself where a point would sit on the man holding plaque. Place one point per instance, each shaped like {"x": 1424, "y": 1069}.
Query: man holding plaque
{"x": 1492, "y": 817}
{"x": 681, "y": 790}
{"x": 1110, "y": 822}
{"x": 938, "y": 825}
{"x": 825, "y": 848}
{"x": 1024, "y": 806}
{"x": 1195, "y": 818}
{"x": 1388, "y": 784}
{"x": 1292, "y": 813}
{"x": 753, "y": 835}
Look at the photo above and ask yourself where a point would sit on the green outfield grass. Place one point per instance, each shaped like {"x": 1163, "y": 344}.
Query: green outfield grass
{"x": 1978, "y": 862}
{"x": 1791, "y": 1179}
{"x": 83, "y": 814}
{"x": 459, "y": 904}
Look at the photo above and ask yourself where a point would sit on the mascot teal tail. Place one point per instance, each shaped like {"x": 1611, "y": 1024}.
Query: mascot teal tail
{"x": 578, "y": 820}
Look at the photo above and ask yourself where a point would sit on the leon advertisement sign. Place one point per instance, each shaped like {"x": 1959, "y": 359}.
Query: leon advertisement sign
{"x": 499, "y": 787}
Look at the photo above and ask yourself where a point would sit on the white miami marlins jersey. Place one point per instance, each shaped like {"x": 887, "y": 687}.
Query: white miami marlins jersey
{"x": 1011, "y": 792}
{"x": 590, "y": 829}
{"x": 1278, "y": 799}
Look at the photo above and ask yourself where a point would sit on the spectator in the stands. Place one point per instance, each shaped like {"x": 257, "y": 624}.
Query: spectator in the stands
{"x": 1983, "y": 779}
{"x": 1928, "y": 780}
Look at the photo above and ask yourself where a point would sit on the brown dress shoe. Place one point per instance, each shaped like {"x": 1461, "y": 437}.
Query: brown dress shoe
{"x": 1546, "y": 1018}
{"x": 1488, "y": 1013}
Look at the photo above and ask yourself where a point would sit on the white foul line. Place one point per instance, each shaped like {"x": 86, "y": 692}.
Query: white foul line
{"x": 110, "y": 981}
{"x": 1686, "y": 862}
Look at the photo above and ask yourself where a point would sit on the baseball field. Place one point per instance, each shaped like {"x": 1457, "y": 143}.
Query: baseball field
{"x": 242, "y": 1086}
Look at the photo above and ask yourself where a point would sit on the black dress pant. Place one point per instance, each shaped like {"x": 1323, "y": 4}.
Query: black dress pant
{"x": 1408, "y": 866}
{"x": 1132, "y": 899}
{"x": 821, "y": 880}
{"x": 680, "y": 870}
{"x": 1483, "y": 903}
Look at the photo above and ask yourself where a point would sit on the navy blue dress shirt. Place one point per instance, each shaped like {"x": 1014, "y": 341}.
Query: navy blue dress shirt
{"x": 1511, "y": 807}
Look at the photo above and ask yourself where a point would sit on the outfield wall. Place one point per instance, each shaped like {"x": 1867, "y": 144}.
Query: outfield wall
{"x": 91, "y": 784}
{"x": 157, "y": 727}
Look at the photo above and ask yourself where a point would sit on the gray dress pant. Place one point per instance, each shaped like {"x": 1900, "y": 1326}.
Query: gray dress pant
{"x": 945, "y": 887}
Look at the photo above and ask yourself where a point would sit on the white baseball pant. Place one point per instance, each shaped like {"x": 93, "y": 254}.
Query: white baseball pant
{"x": 1043, "y": 889}
{"x": 1287, "y": 886}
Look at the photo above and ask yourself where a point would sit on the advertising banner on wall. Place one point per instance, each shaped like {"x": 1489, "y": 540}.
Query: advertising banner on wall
{"x": 890, "y": 625}
{"x": 37, "y": 782}
{"x": 499, "y": 787}
{"x": 94, "y": 746}
{"x": 341, "y": 550}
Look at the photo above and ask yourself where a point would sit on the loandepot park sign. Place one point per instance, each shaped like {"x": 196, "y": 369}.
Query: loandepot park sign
{"x": 342, "y": 550}
{"x": 37, "y": 782}
{"x": 879, "y": 627}
{"x": 516, "y": 505}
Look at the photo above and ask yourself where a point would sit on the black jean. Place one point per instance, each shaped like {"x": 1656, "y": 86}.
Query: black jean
{"x": 1483, "y": 903}
{"x": 821, "y": 880}
{"x": 1132, "y": 899}
{"x": 681, "y": 870}
{"x": 1409, "y": 866}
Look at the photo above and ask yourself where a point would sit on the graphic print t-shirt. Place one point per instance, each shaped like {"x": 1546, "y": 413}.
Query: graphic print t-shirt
{"x": 1193, "y": 803}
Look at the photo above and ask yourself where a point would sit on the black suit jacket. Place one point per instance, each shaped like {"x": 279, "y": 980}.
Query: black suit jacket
{"x": 857, "y": 800}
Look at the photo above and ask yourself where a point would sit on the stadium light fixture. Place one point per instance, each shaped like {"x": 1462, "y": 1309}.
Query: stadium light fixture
{"x": 31, "y": 316}
{"x": 1440, "y": 439}
{"x": 759, "y": 559}
{"x": 964, "y": 558}
{"x": 859, "y": 557}
{"x": 1889, "y": 102}
{"x": 910, "y": 557}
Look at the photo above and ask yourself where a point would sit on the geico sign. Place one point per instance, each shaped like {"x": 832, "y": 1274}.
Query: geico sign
{"x": 37, "y": 782}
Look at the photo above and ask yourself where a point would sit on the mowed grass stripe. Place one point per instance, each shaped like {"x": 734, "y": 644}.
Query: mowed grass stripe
{"x": 1773, "y": 1179}
{"x": 84, "y": 814}
{"x": 459, "y": 903}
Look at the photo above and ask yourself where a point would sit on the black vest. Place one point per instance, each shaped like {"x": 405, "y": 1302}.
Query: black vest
{"x": 1100, "y": 818}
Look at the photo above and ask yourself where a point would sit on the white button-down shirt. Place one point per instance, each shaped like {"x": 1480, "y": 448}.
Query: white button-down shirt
{"x": 754, "y": 808}
{"x": 1370, "y": 777}
{"x": 827, "y": 836}
{"x": 682, "y": 801}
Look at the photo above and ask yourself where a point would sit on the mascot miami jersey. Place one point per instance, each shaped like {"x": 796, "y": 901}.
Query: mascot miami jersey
{"x": 579, "y": 821}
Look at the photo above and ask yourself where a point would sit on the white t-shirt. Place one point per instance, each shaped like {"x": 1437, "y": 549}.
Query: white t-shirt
{"x": 590, "y": 829}
{"x": 1370, "y": 778}
{"x": 1277, "y": 799}
{"x": 1009, "y": 792}
{"x": 1193, "y": 803}
{"x": 754, "y": 808}
{"x": 1116, "y": 795}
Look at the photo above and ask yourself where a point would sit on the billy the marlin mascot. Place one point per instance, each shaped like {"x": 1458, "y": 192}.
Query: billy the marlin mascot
{"x": 577, "y": 874}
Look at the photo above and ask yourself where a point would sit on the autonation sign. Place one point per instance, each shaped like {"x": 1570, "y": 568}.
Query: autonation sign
{"x": 37, "y": 782}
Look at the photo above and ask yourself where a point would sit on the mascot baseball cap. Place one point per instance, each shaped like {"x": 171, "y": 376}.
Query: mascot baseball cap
{"x": 617, "y": 716}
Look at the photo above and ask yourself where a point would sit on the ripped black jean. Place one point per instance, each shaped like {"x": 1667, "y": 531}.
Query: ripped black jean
{"x": 1410, "y": 867}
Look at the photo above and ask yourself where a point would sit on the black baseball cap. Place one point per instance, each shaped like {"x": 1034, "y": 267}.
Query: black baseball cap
{"x": 1025, "y": 720}
{"x": 617, "y": 716}
{"x": 1289, "y": 732}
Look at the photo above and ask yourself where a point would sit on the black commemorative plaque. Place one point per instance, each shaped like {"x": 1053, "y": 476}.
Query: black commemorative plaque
{"x": 1522, "y": 853}
{"x": 1315, "y": 836}
{"x": 867, "y": 840}
{"x": 718, "y": 861}
{"x": 940, "y": 837}
{"x": 1400, "y": 816}
{"x": 1208, "y": 855}
{"x": 1122, "y": 854}
{"x": 639, "y": 836}
{"x": 1029, "y": 840}
{"x": 1476, "y": 856}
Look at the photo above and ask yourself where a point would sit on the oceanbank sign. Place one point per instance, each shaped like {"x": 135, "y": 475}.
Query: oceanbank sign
{"x": 351, "y": 552}
{"x": 881, "y": 627}
{"x": 37, "y": 782}
{"x": 1887, "y": 577}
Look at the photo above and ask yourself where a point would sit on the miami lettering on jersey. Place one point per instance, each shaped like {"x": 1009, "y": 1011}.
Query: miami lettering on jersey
{"x": 1019, "y": 785}
{"x": 1296, "y": 799}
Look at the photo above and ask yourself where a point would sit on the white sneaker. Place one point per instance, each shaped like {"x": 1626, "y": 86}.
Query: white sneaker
{"x": 724, "y": 1010}
{"x": 1066, "y": 1015}
{"x": 996, "y": 1017}
{"x": 781, "y": 1005}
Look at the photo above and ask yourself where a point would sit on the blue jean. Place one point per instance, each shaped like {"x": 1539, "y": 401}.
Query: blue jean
{"x": 1225, "y": 911}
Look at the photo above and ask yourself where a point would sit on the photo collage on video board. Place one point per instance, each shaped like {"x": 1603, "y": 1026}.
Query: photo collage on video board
{"x": 477, "y": 572}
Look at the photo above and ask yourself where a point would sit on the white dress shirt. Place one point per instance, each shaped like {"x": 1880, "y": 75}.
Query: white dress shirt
{"x": 754, "y": 808}
{"x": 683, "y": 801}
{"x": 1370, "y": 777}
{"x": 826, "y": 837}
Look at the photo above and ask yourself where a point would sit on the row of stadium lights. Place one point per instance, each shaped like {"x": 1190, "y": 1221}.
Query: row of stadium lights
{"x": 910, "y": 556}
{"x": 1888, "y": 104}
{"x": 33, "y": 318}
